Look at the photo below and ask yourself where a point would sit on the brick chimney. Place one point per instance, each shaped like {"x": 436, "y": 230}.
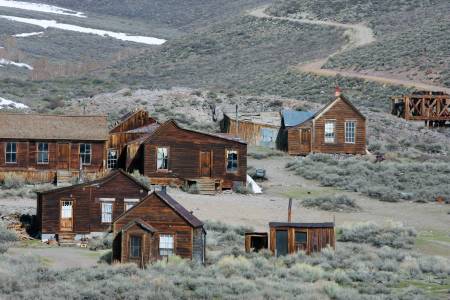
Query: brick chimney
{"x": 337, "y": 92}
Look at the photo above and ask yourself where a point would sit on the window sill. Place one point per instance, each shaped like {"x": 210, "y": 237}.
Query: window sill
{"x": 163, "y": 171}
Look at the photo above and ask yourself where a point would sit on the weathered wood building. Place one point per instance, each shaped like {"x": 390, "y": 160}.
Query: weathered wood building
{"x": 431, "y": 107}
{"x": 155, "y": 228}
{"x": 257, "y": 129}
{"x": 339, "y": 127}
{"x": 41, "y": 148}
{"x": 130, "y": 127}
{"x": 87, "y": 209}
{"x": 172, "y": 155}
{"x": 288, "y": 238}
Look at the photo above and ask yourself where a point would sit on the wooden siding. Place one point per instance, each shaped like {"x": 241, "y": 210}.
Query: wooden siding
{"x": 137, "y": 119}
{"x": 184, "y": 155}
{"x": 248, "y": 131}
{"x": 68, "y": 159}
{"x": 317, "y": 238}
{"x": 87, "y": 206}
{"x": 165, "y": 220}
{"x": 299, "y": 143}
{"x": 149, "y": 246}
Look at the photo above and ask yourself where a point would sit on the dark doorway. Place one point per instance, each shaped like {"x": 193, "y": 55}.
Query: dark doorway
{"x": 281, "y": 242}
{"x": 254, "y": 241}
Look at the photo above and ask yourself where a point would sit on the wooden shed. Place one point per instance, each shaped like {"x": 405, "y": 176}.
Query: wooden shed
{"x": 257, "y": 129}
{"x": 256, "y": 241}
{"x": 339, "y": 127}
{"x": 46, "y": 148}
{"x": 155, "y": 228}
{"x": 172, "y": 155}
{"x": 88, "y": 209}
{"x": 288, "y": 238}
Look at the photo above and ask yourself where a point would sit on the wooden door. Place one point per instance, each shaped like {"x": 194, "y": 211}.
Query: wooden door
{"x": 205, "y": 164}
{"x": 305, "y": 136}
{"x": 66, "y": 223}
{"x": 63, "y": 156}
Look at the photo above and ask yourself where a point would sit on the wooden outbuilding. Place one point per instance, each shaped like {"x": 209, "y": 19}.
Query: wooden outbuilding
{"x": 46, "y": 148}
{"x": 130, "y": 127}
{"x": 289, "y": 238}
{"x": 155, "y": 228}
{"x": 257, "y": 129}
{"x": 85, "y": 210}
{"x": 339, "y": 127}
{"x": 431, "y": 107}
{"x": 172, "y": 155}
{"x": 256, "y": 241}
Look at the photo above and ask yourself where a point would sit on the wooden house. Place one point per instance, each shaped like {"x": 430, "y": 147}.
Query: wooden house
{"x": 42, "y": 148}
{"x": 289, "y": 238}
{"x": 339, "y": 127}
{"x": 172, "y": 155}
{"x": 257, "y": 129}
{"x": 431, "y": 107}
{"x": 155, "y": 228}
{"x": 131, "y": 126}
{"x": 87, "y": 209}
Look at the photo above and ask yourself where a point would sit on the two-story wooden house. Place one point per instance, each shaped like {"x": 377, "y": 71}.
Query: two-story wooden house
{"x": 40, "y": 147}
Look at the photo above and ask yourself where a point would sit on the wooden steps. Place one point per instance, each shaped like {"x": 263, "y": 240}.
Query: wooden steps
{"x": 206, "y": 186}
{"x": 66, "y": 239}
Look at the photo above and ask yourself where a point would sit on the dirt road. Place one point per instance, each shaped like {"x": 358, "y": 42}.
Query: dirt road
{"x": 359, "y": 35}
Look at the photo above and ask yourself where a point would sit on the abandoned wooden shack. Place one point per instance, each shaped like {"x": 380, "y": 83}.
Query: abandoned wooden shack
{"x": 88, "y": 209}
{"x": 288, "y": 238}
{"x": 155, "y": 228}
{"x": 431, "y": 107}
{"x": 132, "y": 126}
{"x": 172, "y": 155}
{"x": 256, "y": 241}
{"x": 46, "y": 148}
{"x": 257, "y": 129}
{"x": 339, "y": 127}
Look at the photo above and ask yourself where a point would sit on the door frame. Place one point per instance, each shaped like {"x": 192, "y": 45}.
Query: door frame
{"x": 69, "y": 158}
{"x": 210, "y": 162}
{"x": 60, "y": 213}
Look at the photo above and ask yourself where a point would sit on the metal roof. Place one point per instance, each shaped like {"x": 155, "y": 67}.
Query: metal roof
{"x": 302, "y": 225}
{"x": 295, "y": 117}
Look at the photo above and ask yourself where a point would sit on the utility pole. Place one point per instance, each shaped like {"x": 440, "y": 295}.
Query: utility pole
{"x": 290, "y": 210}
{"x": 237, "y": 120}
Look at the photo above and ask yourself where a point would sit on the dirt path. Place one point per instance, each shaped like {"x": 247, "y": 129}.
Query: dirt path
{"x": 359, "y": 35}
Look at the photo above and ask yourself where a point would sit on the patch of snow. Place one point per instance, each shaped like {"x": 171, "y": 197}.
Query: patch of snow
{"x": 20, "y": 65}
{"x": 41, "y": 8}
{"x": 27, "y": 34}
{"x": 117, "y": 35}
{"x": 5, "y": 103}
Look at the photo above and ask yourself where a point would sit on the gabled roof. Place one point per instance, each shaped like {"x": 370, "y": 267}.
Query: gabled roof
{"x": 294, "y": 117}
{"x": 331, "y": 103}
{"x": 172, "y": 203}
{"x": 53, "y": 127}
{"x": 145, "y": 129}
{"x": 141, "y": 223}
{"x": 96, "y": 182}
{"x": 265, "y": 118}
{"x": 215, "y": 135}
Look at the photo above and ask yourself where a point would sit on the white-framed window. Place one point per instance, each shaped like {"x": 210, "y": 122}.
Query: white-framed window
{"x": 66, "y": 209}
{"x": 107, "y": 211}
{"x": 85, "y": 153}
{"x": 232, "y": 160}
{"x": 330, "y": 131}
{"x": 350, "y": 128}
{"x": 135, "y": 246}
{"x": 162, "y": 159}
{"x": 111, "y": 163}
{"x": 129, "y": 203}
{"x": 166, "y": 244}
{"x": 42, "y": 153}
{"x": 11, "y": 153}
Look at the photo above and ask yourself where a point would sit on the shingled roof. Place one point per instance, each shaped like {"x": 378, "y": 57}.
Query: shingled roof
{"x": 53, "y": 127}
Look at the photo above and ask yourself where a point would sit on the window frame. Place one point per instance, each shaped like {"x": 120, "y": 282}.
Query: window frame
{"x": 130, "y": 249}
{"x": 10, "y": 152}
{"x": 103, "y": 213}
{"x": 127, "y": 201}
{"x": 164, "y": 158}
{"x": 164, "y": 234}
{"x": 42, "y": 151}
{"x": 227, "y": 151}
{"x": 326, "y": 139}
{"x": 297, "y": 244}
{"x": 109, "y": 160}
{"x": 354, "y": 131}
{"x": 84, "y": 154}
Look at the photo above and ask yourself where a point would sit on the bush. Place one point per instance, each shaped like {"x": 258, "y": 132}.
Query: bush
{"x": 101, "y": 243}
{"x": 141, "y": 178}
{"x": 390, "y": 234}
{"x": 7, "y": 238}
{"x": 332, "y": 203}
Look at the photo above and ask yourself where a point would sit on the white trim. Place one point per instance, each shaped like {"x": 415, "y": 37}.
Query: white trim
{"x": 328, "y": 108}
{"x": 131, "y": 200}
{"x": 354, "y": 131}
{"x": 107, "y": 199}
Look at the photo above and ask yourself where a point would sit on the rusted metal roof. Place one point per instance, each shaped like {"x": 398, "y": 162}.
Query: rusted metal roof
{"x": 53, "y": 127}
{"x": 302, "y": 225}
